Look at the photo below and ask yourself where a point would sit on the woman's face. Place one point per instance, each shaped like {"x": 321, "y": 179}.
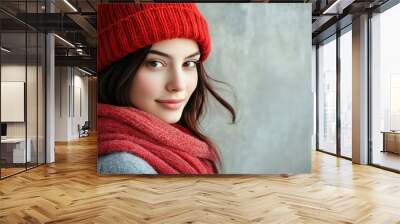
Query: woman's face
{"x": 167, "y": 78}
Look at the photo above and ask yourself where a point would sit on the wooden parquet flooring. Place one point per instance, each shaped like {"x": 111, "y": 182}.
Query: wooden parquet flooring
{"x": 9, "y": 171}
{"x": 70, "y": 191}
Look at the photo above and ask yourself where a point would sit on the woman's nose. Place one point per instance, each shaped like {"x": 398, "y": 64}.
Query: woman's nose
{"x": 177, "y": 81}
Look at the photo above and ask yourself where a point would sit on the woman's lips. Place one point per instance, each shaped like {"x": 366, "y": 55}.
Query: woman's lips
{"x": 170, "y": 104}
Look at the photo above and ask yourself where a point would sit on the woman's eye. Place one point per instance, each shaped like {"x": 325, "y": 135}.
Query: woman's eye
{"x": 191, "y": 64}
{"x": 154, "y": 64}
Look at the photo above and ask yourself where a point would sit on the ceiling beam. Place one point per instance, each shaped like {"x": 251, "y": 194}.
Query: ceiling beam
{"x": 84, "y": 61}
{"x": 85, "y": 25}
{"x": 337, "y": 6}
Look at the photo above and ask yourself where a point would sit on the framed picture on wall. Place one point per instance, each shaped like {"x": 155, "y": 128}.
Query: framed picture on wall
{"x": 204, "y": 88}
{"x": 12, "y": 101}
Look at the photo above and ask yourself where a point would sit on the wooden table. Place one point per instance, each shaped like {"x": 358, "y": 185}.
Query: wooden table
{"x": 391, "y": 141}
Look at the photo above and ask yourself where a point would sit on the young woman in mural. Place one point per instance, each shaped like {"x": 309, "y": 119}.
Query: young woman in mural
{"x": 153, "y": 90}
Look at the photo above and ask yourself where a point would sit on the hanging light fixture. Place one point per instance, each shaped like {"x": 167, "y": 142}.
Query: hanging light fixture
{"x": 5, "y": 50}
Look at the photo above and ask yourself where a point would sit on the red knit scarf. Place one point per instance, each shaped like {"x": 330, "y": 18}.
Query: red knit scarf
{"x": 169, "y": 149}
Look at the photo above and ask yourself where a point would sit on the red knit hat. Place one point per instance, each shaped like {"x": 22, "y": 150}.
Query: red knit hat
{"x": 126, "y": 27}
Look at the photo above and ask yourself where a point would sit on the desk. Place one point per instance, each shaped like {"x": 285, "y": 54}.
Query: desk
{"x": 391, "y": 141}
{"x": 13, "y": 150}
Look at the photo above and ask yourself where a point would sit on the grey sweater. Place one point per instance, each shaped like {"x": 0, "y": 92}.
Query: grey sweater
{"x": 123, "y": 163}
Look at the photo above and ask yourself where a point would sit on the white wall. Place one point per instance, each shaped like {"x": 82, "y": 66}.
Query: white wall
{"x": 16, "y": 73}
{"x": 61, "y": 104}
{"x": 69, "y": 85}
{"x": 34, "y": 124}
{"x": 264, "y": 52}
{"x": 79, "y": 117}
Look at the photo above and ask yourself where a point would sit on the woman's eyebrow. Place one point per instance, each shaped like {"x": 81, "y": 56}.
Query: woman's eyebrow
{"x": 169, "y": 56}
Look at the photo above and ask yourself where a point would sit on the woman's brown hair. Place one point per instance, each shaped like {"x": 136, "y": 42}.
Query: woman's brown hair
{"x": 115, "y": 82}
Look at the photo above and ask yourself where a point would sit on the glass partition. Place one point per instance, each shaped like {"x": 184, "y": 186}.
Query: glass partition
{"x": 327, "y": 96}
{"x": 22, "y": 91}
{"x": 13, "y": 95}
{"x": 385, "y": 89}
{"x": 346, "y": 93}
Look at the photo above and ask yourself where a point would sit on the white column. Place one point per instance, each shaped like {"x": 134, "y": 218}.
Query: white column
{"x": 50, "y": 93}
{"x": 360, "y": 90}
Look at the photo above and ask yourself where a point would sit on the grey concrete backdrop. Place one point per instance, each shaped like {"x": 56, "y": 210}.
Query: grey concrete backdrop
{"x": 264, "y": 52}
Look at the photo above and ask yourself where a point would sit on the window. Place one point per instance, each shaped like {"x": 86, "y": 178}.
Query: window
{"x": 327, "y": 96}
{"x": 385, "y": 88}
{"x": 346, "y": 93}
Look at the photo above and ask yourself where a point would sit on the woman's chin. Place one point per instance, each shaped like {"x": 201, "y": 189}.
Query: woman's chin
{"x": 170, "y": 117}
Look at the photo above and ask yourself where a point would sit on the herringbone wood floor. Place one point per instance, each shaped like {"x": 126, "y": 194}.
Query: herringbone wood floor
{"x": 70, "y": 191}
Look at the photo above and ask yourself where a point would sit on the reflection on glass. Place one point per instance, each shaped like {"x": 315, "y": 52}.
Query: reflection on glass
{"x": 327, "y": 97}
{"x": 13, "y": 84}
{"x": 386, "y": 89}
{"x": 346, "y": 94}
{"x": 395, "y": 101}
{"x": 22, "y": 91}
